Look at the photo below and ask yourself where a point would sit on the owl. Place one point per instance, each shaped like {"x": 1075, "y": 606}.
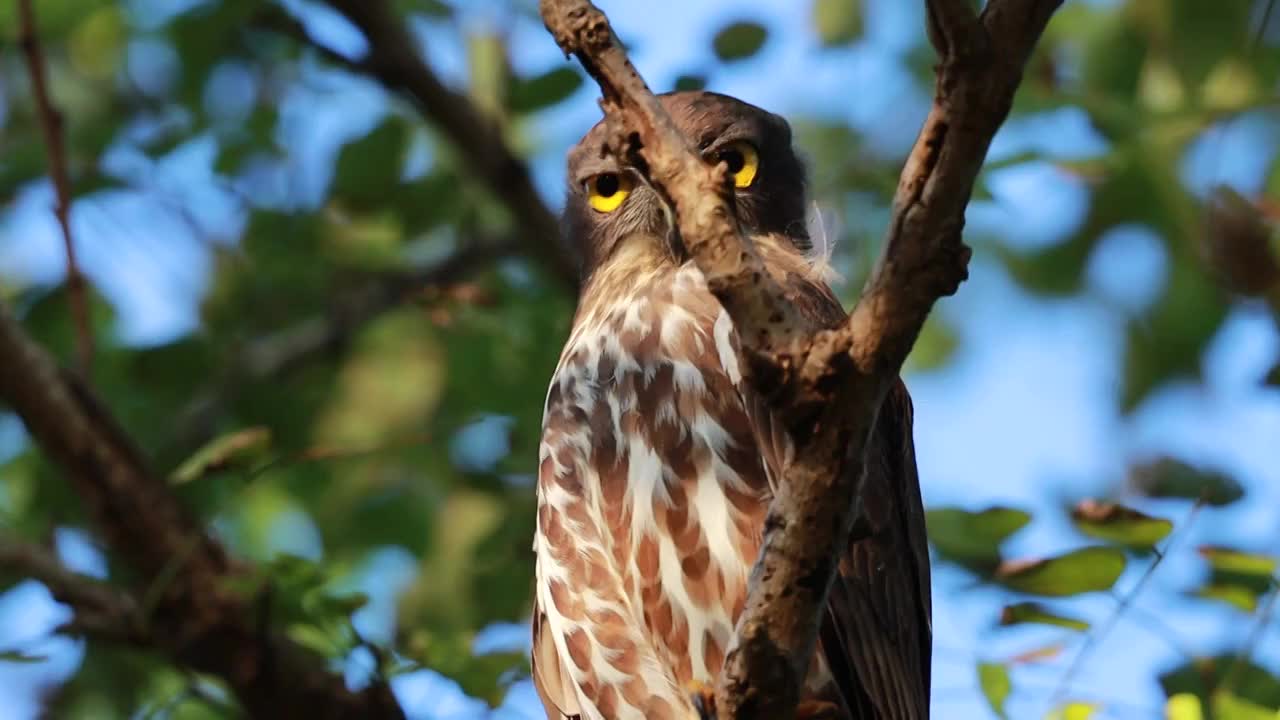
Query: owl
{"x": 658, "y": 461}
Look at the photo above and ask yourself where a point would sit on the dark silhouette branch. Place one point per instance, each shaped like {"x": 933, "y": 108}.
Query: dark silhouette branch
{"x": 51, "y": 126}
{"x": 825, "y": 385}
{"x": 101, "y": 611}
{"x": 194, "y": 613}
{"x": 393, "y": 59}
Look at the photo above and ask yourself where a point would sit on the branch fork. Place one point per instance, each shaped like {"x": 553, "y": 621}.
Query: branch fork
{"x": 825, "y": 384}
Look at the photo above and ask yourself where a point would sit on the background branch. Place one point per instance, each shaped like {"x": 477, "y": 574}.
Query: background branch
{"x": 100, "y": 611}
{"x": 827, "y": 385}
{"x": 393, "y": 60}
{"x": 197, "y": 617}
{"x": 51, "y": 127}
{"x": 288, "y": 349}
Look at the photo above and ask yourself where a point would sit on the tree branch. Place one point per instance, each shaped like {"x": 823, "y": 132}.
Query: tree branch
{"x": 100, "y": 610}
{"x": 197, "y": 617}
{"x": 826, "y": 385}
{"x": 51, "y": 126}
{"x": 290, "y": 348}
{"x": 393, "y": 60}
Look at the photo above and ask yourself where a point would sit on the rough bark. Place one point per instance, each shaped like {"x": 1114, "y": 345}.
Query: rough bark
{"x": 826, "y": 385}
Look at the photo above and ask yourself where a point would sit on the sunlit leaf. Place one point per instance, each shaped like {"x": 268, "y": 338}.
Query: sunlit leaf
{"x": 1227, "y": 706}
{"x": 1080, "y": 571}
{"x": 1119, "y": 524}
{"x": 1203, "y": 677}
{"x": 1031, "y": 612}
{"x": 1183, "y": 706}
{"x": 838, "y": 22}
{"x": 996, "y": 686}
{"x": 1240, "y": 597}
{"x": 1074, "y": 710}
{"x": 739, "y": 40}
{"x": 1171, "y": 478}
{"x": 972, "y": 538}
{"x": 1240, "y": 562}
{"x": 235, "y": 449}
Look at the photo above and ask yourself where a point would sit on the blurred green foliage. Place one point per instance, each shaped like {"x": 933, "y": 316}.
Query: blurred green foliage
{"x": 365, "y": 435}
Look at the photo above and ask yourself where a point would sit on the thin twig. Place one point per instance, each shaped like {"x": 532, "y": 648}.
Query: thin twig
{"x": 51, "y": 127}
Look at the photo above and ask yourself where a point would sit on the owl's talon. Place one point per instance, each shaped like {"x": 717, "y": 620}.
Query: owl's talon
{"x": 818, "y": 710}
{"x": 704, "y": 699}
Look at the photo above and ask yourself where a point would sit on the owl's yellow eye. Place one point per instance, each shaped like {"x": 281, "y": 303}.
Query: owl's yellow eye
{"x": 743, "y": 162}
{"x": 606, "y": 191}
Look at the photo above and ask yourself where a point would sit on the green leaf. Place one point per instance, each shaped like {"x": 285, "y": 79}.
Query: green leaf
{"x": 1239, "y": 562}
{"x": 18, "y": 656}
{"x": 1090, "y": 569}
{"x": 837, "y": 22}
{"x": 235, "y": 449}
{"x": 1183, "y": 706}
{"x": 1227, "y": 706}
{"x": 935, "y": 346}
{"x": 1031, "y": 612}
{"x": 1171, "y": 478}
{"x": 542, "y": 91}
{"x": 1203, "y": 677}
{"x": 973, "y": 539}
{"x": 994, "y": 679}
{"x": 1241, "y": 597}
{"x": 1119, "y": 524}
{"x": 368, "y": 168}
{"x": 690, "y": 82}
{"x": 739, "y": 40}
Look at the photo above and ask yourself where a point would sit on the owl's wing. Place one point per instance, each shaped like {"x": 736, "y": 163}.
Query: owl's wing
{"x": 878, "y": 623}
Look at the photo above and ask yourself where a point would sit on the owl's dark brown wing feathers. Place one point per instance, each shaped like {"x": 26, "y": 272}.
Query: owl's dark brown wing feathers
{"x": 878, "y": 622}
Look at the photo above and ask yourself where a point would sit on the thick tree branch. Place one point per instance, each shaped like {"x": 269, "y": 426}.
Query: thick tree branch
{"x": 51, "y": 125}
{"x": 197, "y": 617}
{"x": 393, "y": 59}
{"x": 826, "y": 385}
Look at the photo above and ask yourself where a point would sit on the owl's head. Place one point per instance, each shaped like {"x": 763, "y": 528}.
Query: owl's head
{"x": 608, "y": 202}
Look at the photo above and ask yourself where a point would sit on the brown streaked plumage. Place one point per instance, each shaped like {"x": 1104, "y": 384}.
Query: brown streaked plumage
{"x": 657, "y": 460}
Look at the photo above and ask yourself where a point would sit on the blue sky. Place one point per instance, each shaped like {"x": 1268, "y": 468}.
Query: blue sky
{"x": 1023, "y": 415}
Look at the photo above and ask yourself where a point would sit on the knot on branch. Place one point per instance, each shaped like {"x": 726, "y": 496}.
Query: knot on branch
{"x": 580, "y": 29}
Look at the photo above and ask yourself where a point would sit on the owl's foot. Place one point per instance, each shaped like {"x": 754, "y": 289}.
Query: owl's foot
{"x": 704, "y": 699}
{"x": 818, "y": 710}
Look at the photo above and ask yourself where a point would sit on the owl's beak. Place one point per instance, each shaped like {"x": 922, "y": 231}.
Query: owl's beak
{"x": 670, "y": 223}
